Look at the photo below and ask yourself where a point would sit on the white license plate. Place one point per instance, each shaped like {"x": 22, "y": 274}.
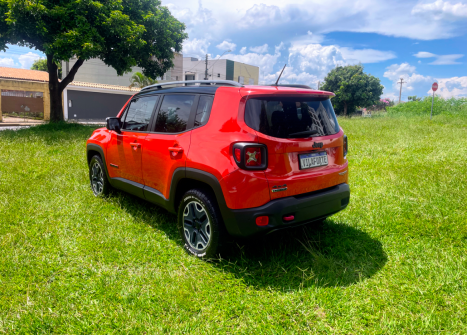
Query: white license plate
{"x": 313, "y": 160}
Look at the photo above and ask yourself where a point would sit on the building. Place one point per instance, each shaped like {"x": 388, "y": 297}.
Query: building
{"x": 224, "y": 69}
{"x": 24, "y": 93}
{"x": 96, "y": 71}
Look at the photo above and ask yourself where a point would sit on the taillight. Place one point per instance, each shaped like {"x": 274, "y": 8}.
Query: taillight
{"x": 250, "y": 156}
{"x": 346, "y": 146}
{"x": 262, "y": 220}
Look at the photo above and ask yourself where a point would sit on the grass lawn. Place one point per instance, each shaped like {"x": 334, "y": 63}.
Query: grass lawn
{"x": 395, "y": 261}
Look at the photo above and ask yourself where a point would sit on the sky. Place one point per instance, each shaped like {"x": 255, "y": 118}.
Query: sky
{"x": 419, "y": 41}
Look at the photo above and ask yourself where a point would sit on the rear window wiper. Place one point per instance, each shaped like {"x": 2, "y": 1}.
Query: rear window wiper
{"x": 303, "y": 134}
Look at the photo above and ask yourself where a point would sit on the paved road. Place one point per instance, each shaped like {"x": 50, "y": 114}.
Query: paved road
{"x": 13, "y": 127}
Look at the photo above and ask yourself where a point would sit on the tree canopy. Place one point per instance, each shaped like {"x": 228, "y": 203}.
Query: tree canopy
{"x": 122, "y": 33}
{"x": 353, "y": 88}
{"x": 41, "y": 65}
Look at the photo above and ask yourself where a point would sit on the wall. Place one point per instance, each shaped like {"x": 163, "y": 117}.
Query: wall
{"x": 247, "y": 72}
{"x": 22, "y": 85}
{"x": 96, "y": 71}
{"x": 215, "y": 68}
{"x": 17, "y": 104}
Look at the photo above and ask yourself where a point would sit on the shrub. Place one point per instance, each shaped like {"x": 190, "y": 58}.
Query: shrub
{"x": 441, "y": 106}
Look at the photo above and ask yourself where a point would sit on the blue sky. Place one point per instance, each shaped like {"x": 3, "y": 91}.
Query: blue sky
{"x": 420, "y": 41}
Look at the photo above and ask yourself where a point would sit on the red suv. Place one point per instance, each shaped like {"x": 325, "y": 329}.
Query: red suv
{"x": 229, "y": 159}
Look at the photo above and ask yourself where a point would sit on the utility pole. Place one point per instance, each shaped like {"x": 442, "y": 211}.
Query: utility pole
{"x": 318, "y": 84}
{"x": 206, "y": 72}
{"x": 400, "y": 92}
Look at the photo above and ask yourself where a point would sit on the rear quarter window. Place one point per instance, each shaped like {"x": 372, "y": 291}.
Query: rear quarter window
{"x": 280, "y": 117}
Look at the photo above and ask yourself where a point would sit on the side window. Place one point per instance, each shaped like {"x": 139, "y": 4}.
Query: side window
{"x": 139, "y": 113}
{"x": 174, "y": 113}
{"x": 203, "y": 111}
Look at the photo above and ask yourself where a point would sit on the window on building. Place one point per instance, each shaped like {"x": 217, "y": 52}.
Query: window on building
{"x": 251, "y": 81}
{"x": 241, "y": 79}
{"x": 139, "y": 113}
{"x": 174, "y": 113}
{"x": 203, "y": 111}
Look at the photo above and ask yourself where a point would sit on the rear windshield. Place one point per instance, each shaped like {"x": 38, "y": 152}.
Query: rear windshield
{"x": 280, "y": 117}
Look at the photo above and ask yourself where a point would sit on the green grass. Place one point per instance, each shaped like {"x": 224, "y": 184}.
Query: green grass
{"x": 395, "y": 261}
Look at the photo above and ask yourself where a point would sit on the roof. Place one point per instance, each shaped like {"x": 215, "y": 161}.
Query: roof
{"x": 105, "y": 86}
{"x": 23, "y": 74}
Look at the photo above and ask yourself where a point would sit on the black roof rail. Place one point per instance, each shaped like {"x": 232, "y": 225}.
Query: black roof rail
{"x": 190, "y": 82}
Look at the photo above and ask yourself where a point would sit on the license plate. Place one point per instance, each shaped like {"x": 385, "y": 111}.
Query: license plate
{"x": 313, "y": 160}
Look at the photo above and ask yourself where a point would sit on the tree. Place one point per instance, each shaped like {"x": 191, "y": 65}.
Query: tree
{"x": 140, "y": 80}
{"x": 41, "y": 65}
{"x": 352, "y": 87}
{"x": 413, "y": 98}
{"x": 122, "y": 33}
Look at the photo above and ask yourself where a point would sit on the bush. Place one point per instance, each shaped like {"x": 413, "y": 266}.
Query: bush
{"x": 441, "y": 106}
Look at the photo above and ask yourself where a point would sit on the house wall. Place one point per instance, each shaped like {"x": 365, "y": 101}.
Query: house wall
{"x": 96, "y": 71}
{"x": 23, "y": 85}
{"x": 216, "y": 68}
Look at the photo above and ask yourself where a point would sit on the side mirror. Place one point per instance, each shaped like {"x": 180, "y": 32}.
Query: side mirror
{"x": 113, "y": 123}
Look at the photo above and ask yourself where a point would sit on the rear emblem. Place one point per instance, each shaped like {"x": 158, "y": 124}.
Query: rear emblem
{"x": 317, "y": 145}
{"x": 279, "y": 188}
{"x": 251, "y": 157}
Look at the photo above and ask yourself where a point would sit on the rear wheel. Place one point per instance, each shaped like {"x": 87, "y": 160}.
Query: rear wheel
{"x": 200, "y": 224}
{"x": 99, "y": 183}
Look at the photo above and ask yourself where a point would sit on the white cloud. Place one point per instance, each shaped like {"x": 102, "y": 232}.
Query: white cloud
{"x": 440, "y": 59}
{"x": 452, "y": 87}
{"x": 260, "y": 49}
{"x": 195, "y": 48}
{"x": 7, "y": 62}
{"x": 440, "y": 10}
{"x": 424, "y": 54}
{"x": 447, "y": 60}
{"x": 226, "y": 46}
{"x": 397, "y": 71}
{"x": 366, "y": 55}
{"x": 26, "y": 60}
{"x": 243, "y": 50}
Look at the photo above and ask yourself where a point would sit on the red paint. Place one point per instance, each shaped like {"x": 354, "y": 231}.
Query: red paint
{"x": 289, "y": 218}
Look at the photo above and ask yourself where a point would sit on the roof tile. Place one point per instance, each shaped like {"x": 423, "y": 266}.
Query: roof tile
{"x": 23, "y": 74}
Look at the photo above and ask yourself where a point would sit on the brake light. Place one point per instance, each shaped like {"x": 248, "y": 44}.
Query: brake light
{"x": 346, "y": 146}
{"x": 238, "y": 154}
{"x": 250, "y": 156}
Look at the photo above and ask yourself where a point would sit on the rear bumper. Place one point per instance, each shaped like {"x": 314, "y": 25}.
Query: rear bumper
{"x": 305, "y": 208}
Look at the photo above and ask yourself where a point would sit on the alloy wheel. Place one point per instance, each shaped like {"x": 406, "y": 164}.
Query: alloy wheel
{"x": 97, "y": 179}
{"x": 196, "y": 225}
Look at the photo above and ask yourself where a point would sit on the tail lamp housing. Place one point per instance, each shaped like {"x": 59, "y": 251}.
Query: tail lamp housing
{"x": 346, "y": 146}
{"x": 250, "y": 156}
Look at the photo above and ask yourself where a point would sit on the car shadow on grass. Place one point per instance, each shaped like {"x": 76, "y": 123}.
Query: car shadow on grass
{"x": 334, "y": 254}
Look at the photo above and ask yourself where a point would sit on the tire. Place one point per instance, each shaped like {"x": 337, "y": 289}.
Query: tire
{"x": 100, "y": 185}
{"x": 200, "y": 224}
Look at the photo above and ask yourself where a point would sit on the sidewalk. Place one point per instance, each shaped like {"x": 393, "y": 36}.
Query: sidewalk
{"x": 17, "y": 121}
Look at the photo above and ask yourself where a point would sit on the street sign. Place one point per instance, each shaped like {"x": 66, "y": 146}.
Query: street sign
{"x": 434, "y": 88}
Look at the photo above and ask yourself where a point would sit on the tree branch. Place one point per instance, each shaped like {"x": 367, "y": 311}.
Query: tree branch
{"x": 71, "y": 75}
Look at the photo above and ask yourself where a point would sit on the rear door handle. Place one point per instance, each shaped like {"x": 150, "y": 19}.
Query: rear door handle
{"x": 135, "y": 145}
{"x": 175, "y": 149}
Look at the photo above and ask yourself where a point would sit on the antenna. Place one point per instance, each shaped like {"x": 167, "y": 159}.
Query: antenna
{"x": 277, "y": 82}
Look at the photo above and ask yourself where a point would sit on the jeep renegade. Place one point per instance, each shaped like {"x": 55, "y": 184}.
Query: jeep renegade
{"x": 229, "y": 159}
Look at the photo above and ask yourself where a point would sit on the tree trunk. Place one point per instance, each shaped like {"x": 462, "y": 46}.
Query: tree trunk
{"x": 56, "y": 87}
{"x": 56, "y": 108}
{"x": 345, "y": 109}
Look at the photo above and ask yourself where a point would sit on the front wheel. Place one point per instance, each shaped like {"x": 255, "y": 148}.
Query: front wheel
{"x": 200, "y": 224}
{"x": 99, "y": 183}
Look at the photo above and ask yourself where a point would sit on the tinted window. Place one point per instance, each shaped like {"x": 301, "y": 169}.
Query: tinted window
{"x": 174, "y": 113}
{"x": 203, "y": 111}
{"x": 139, "y": 113}
{"x": 279, "y": 117}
